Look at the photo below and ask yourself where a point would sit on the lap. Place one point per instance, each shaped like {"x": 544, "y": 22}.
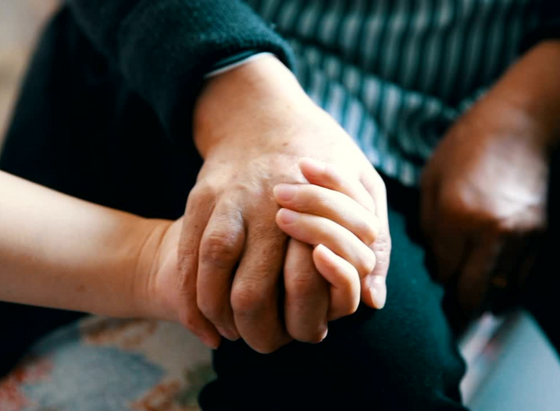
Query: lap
{"x": 403, "y": 355}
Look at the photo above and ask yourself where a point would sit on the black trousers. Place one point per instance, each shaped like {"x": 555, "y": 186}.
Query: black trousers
{"x": 80, "y": 130}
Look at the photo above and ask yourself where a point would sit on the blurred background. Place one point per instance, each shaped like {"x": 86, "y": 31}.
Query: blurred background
{"x": 511, "y": 365}
{"x": 20, "y": 23}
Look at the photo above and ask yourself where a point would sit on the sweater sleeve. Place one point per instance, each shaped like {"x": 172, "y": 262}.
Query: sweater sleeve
{"x": 164, "y": 48}
{"x": 549, "y": 27}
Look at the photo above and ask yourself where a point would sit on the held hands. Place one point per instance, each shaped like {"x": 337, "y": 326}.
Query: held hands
{"x": 327, "y": 215}
{"x": 322, "y": 217}
{"x": 252, "y": 125}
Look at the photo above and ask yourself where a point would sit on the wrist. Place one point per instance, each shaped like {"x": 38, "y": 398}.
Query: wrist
{"x": 149, "y": 236}
{"x": 240, "y": 95}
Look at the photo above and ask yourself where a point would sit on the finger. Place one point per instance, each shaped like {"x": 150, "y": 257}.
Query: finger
{"x": 474, "y": 281}
{"x": 509, "y": 259}
{"x": 307, "y": 295}
{"x": 374, "y": 286}
{"x": 327, "y": 176}
{"x": 449, "y": 247}
{"x": 330, "y": 204}
{"x": 198, "y": 211}
{"x": 255, "y": 290}
{"x": 220, "y": 250}
{"x": 343, "y": 279}
{"x": 513, "y": 264}
{"x": 529, "y": 257}
{"x": 315, "y": 230}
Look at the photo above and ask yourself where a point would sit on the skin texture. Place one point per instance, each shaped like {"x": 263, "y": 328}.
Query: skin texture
{"x": 244, "y": 237}
{"x": 322, "y": 207}
{"x": 251, "y": 132}
{"x": 341, "y": 231}
{"x": 57, "y": 251}
{"x": 61, "y": 252}
{"x": 484, "y": 191}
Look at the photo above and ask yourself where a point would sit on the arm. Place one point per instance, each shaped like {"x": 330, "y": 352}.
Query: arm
{"x": 57, "y": 251}
{"x": 164, "y": 48}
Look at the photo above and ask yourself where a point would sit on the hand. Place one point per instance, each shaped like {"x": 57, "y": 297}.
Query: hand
{"x": 483, "y": 200}
{"x": 484, "y": 190}
{"x": 325, "y": 215}
{"x": 252, "y": 125}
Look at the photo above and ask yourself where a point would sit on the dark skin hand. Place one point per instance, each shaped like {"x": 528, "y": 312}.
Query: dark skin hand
{"x": 484, "y": 190}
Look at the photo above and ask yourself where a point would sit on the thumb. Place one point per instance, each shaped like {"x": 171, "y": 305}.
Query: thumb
{"x": 374, "y": 286}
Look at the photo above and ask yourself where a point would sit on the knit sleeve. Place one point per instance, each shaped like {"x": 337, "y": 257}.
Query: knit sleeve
{"x": 164, "y": 48}
{"x": 549, "y": 27}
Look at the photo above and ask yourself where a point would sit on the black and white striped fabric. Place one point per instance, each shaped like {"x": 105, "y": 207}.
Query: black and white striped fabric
{"x": 397, "y": 73}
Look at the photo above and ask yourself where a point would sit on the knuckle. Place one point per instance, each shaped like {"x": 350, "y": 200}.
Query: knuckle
{"x": 308, "y": 198}
{"x": 460, "y": 210}
{"x": 247, "y": 301}
{"x": 503, "y": 227}
{"x": 202, "y": 195}
{"x": 349, "y": 282}
{"x": 318, "y": 199}
{"x": 218, "y": 249}
{"x": 370, "y": 231}
{"x": 453, "y": 204}
{"x": 190, "y": 321}
{"x": 209, "y": 309}
{"x": 367, "y": 264}
{"x": 300, "y": 284}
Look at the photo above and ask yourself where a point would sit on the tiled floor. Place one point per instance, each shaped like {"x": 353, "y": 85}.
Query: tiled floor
{"x": 20, "y": 21}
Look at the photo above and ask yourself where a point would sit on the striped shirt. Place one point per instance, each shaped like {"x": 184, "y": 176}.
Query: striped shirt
{"x": 397, "y": 73}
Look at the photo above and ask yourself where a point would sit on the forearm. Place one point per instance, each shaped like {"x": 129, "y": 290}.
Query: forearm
{"x": 61, "y": 252}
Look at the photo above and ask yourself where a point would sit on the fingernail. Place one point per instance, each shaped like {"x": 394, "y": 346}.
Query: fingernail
{"x": 285, "y": 192}
{"x": 288, "y": 216}
{"x": 378, "y": 290}
{"x": 209, "y": 341}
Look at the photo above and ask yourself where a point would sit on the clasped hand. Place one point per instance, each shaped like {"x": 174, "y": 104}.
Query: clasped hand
{"x": 245, "y": 268}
